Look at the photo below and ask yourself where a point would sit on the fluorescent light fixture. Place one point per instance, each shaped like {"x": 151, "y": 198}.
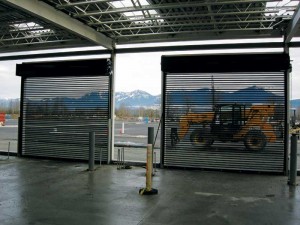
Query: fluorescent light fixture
{"x": 31, "y": 27}
{"x": 282, "y": 6}
{"x": 137, "y": 14}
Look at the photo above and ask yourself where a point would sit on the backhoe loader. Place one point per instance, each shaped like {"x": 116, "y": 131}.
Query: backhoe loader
{"x": 255, "y": 126}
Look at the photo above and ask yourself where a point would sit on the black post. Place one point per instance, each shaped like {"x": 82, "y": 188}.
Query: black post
{"x": 20, "y": 139}
{"x": 151, "y": 139}
{"x": 20, "y": 119}
{"x": 293, "y": 161}
{"x": 286, "y": 120}
{"x": 150, "y": 135}
{"x": 91, "y": 151}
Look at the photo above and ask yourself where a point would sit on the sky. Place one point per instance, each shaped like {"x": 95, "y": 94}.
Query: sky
{"x": 136, "y": 71}
{"x": 142, "y": 71}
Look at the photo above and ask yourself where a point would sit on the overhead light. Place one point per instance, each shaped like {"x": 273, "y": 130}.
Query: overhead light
{"x": 30, "y": 27}
{"x": 137, "y": 14}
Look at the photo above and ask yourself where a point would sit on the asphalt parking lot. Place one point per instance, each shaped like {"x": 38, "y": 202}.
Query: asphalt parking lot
{"x": 135, "y": 134}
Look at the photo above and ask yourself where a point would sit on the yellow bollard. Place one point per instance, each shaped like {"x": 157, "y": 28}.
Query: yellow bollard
{"x": 149, "y": 168}
{"x": 148, "y": 190}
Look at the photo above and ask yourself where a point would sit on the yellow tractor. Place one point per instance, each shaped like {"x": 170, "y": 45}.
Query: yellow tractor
{"x": 255, "y": 126}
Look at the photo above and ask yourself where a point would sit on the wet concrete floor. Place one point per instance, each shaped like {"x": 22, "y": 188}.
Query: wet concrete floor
{"x": 53, "y": 192}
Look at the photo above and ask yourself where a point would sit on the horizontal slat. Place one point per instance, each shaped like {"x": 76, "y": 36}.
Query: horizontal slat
{"x": 59, "y": 113}
{"x": 188, "y": 97}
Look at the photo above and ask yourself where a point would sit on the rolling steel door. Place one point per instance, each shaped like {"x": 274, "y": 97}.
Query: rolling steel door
{"x": 59, "y": 109}
{"x": 224, "y": 120}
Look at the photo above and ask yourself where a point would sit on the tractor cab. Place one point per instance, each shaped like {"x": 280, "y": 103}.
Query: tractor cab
{"x": 228, "y": 120}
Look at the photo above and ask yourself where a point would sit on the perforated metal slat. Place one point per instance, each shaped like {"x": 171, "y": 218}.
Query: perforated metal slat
{"x": 198, "y": 93}
{"x": 59, "y": 113}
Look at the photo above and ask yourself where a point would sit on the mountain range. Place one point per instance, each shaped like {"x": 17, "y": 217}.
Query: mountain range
{"x": 206, "y": 96}
{"x": 139, "y": 98}
{"x": 136, "y": 99}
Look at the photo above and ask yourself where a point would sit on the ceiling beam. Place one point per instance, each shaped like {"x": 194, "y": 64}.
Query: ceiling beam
{"x": 193, "y": 24}
{"x": 53, "y": 45}
{"x": 264, "y": 45}
{"x": 72, "y": 4}
{"x": 178, "y": 15}
{"x": 293, "y": 26}
{"x": 189, "y": 32}
{"x": 50, "y": 14}
{"x": 176, "y": 5}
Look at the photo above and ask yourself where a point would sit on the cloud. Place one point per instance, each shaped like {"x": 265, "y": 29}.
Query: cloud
{"x": 10, "y": 83}
{"x": 139, "y": 71}
{"x": 295, "y": 75}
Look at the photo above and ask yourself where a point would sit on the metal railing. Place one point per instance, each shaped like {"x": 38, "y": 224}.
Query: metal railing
{"x": 121, "y": 152}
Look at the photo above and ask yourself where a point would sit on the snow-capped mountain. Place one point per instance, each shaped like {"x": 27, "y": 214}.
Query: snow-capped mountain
{"x": 136, "y": 98}
{"x": 139, "y": 98}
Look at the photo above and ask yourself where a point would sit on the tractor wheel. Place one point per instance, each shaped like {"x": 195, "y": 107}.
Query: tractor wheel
{"x": 255, "y": 140}
{"x": 201, "y": 136}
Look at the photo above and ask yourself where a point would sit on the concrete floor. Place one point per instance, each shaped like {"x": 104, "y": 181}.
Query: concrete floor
{"x": 50, "y": 192}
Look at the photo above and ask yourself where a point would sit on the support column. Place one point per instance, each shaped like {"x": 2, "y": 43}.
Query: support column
{"x": 111, "y": 139}
{"x": 162, "y": 119}
{"x": 287, "y": 113}
{"x": 20, "y": 119}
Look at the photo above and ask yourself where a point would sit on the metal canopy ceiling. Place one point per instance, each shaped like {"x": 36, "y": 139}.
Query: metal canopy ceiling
{"x": 20, "y": 30}
{"x": 33, "y": 24}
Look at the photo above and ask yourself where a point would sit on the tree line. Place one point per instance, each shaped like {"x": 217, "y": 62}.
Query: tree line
{"x": 10, "y": 107}
{"x": 13, "y": 107}
{"x": 124, "y": 112}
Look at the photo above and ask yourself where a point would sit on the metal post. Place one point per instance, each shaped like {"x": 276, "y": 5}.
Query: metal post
{"x": 149, "y": 190}
{"x": 20, "y": 131}
{"x": 110, "y": 141}
{"x": 124, "y": 157}
{"x": 8, "y": 149}
{"x": 91, "y": 150}
{"x": 121, "y": 158}
{"x": 121, "y": 167}
{"x": 100, "y": 157}
{"x": 154, "y": 161}
{"x": 293, "y": 161}
{"x": 162, "y": 119}
{"x": 150, "y": 135}
{"x": 111, "y": 127}
{"x": 287, "y": 120}
{"x": 149, "y": 167}
{"x": 151, "y": 142}
{"x": 123, "y": 128}
{"x": 118, "y": 160}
